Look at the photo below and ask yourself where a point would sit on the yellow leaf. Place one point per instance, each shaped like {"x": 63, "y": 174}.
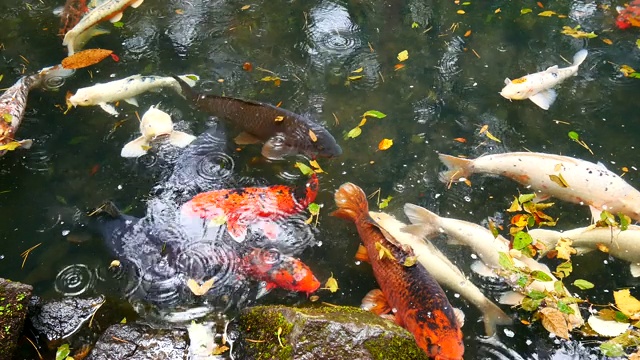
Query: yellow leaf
{"x": 564, "y": 249}
{"x": 576, "y": 33}
{"x": 627, "y": 304}
{"x": 357, "y": 77}
{"x": 547, "y": 13}
{"x": 384, "y": 252}
{"x": 145, "y": 147}
{"x": 602, "y": 247}
{"x": 515, "y": 205}
{"x": 114, "y": 264}
{"x": 525, "y": 11}
{"x": 85, "y": 58}
{"x": 246, "y": 7}
{"x": 331, "y": 284}
{"x": 403, "y": 55}
{"x": 179, "y": 11}
{"x": 554, "y": 321}
{"x": 316, "y": 166}
{"x": 497, "y": 11}
{"x": 313, "y": 136}
{"x": 279, "y": 118}
{"x": 461, "y": 12}
{"x": 355, "y": 132}
{"x": 358, "y": 70}
{"x": 468, "y": 33}
{"x": 10, "y": 146}
{"x": 363, "y": 121}
{"x": 483, "y": 128}
{"x": 626, "y": 70}
{"x": 410, "y": 261}
{"x": 607, "y": 41}
{"x": 220, "y": 349}
{"x": 558, "y": 179}
{"x": 199, "y": 290}
{"x": 385, "y": 144}
{"x": 490, "y": 136}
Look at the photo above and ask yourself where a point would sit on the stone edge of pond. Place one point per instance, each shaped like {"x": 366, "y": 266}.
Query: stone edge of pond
{"x": 14, "y": 298}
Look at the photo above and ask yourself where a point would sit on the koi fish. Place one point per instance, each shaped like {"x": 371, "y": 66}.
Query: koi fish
{"x": 419, "y": 303}
{"x": 282, "y": 131}
{"x": 279, "y": 271}
{"x": 427, "y": 224}
{"x": 628, "y": 16}
{"x": 538, "y": 87}
{"x": 155, "y": 123}
{"x": 443, "y": 270}
{"x": 566, "y": 178}
{"x": 110, "y": 10}
{"x": 622, "y": 244}
{"x": 242, "y": 207}
{"x": 126, "y": 89}
{"x": 71, "y": 14}
{"x": 13, "y": 103}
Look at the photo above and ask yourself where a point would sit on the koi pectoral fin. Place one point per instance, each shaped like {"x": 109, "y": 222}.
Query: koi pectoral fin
{"x": 375, "y": 302}
{"x": 246, "y": 139}
{"x": 362, "y": 254}
{"x": 544, "y": 99}
{"x": 108, "y": 108}
{"x": 274, "y": 149}
{"x": 135, "y": 148}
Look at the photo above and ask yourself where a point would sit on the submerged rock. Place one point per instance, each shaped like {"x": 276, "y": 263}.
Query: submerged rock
{"x": 59, "y": 319}
{"x": 140, "y": 342}
{"x": 319, "y": 333}
{"x": 14, "y": 298}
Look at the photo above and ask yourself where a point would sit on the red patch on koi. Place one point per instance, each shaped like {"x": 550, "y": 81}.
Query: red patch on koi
{"x": 280, "y": 271}
{"x": 629, "y": 16}
{"x": 73, "y": 11}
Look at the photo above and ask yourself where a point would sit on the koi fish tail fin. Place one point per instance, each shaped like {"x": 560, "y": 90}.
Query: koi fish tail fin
{"x": 579, "y": 57}
{"x": 492, "y": 317}
{"x": 457, "y": 168}
{"x": 351, "y": 202}
{"x": 425, "y": 223}
{"x": 185, "y": 85}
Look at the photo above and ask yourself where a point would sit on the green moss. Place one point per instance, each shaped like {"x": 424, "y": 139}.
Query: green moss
{"x": 261, "y": 325}
{"x": 395, "y": 347}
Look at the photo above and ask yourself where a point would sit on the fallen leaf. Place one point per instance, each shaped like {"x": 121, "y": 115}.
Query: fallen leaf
{"x": 610, "y": 328}
{"x": 490, "y": 136}
{"x": 540, "y": 4}
{"x": 384, "y": 252}
{"x": 558, "y": 179}
{"x": 467, "y": 34}
{"x": 313, "y": 136}
{"x": 461, "y": 12}
{"x": 304, "y": 169}
{"x": 246, "y": 7}
{"x": 607, "y": 41}
{"x": 564, "y": 249}
{"x": 576, "y": 33}
{"x": 627, "y": 304}
{"x": 10, "y": 146}
{"x": 483, "y": 129}
{"x": 280, "y": 118}
{"x": 410, "y": 261}
{"x": 199, "y": 290}
{"x": 397, "y": 67}
{"x": 355, "y": 132}
{"x": 385, "y": 144}
{"x": 358, "y": 70}
{"x": 179, "y": 11}
{"x": 316, "y": 166}
{"x": 547, "y": 13}
{"x": 497, "y": 11}
{"x": 602, "y": 247}
{"x": 220, "y": 350}
{"x": 114, "y": 264}
{"x": 331, "y": 284}
{"x": 247, "y": 66}
{"x": 375, "y": 114}
{"x": 460, "y": 140}
{"x": 385, "y": 202}
{"x": 525, "y": 11}
{"x": 554, "y": 321}
{"x": 356, "y": 77}
{"x": 415, "y": 25}
{"x": 403, "y": 55}
{"x": 85, "y": 58}
{"x": 314, "y": 209}
{"x": 362, "y": 122}
{"x": 583, "y": 284}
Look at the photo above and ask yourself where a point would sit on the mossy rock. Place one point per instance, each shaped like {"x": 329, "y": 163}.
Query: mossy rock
{"x": 326, "y": 332}
{"x": 14, "y": 298}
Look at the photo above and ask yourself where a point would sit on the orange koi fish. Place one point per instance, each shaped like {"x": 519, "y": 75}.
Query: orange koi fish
{"x": 628, "y": 16}
{"x": 73, "y": 11}
{"x": 242, "y": 207}
{"x": 279, "y": 271}
{"x": 419, "y": 303}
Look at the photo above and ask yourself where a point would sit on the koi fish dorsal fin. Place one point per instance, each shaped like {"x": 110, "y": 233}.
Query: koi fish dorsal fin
{"x": 507, "y": 81}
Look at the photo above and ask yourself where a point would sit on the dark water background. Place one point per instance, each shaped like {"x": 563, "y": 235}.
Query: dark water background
{"x": 445, "y": 91}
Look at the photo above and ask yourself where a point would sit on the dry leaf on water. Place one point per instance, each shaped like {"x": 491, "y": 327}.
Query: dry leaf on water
{"x": 85, "y": 58}
{"x": 331, "y": 284}
{"x": 554, "y": 321}
{"x": 199, "y": 290}
{"x": 385, "y": 144}
{"x": 627, "y": 304}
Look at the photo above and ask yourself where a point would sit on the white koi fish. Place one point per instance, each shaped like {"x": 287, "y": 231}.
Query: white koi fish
{"x": 443, "y": 270}
{"x": 154, "y": 124}
{"x": 566, "y": 178}
{"x": 110, "y": 10}
{"x": 538, "y": 87}
{"x": 125, "y": 89}
{"x": 622, "y": 244}
{"x": 427, "y": 224}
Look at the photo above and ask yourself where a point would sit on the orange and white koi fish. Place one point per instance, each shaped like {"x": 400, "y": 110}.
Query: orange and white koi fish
{"x": 154, "y": 124}
{"x": 566, "y": 178}
{"x": 110, "y": 10}
{"x": 538, "y": 87}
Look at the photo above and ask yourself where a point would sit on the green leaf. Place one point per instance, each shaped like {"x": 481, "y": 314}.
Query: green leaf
{"x": 612, "y": 349}
{"x": 525, "y": 198}
{"x": 7, "y": 117}
{"x": 1, "y": 76}
{"x": 563, "y": 270}
{"x": 536, "y": 295}
{"x": 63, "y": 352}
{"x": 583, "y": 284}
{"x": 525, "y": 11}
{"x": 559, "y": 288}
{"x": 574, "y": 136}
{"x": 624, "y": 221}
{"x": 634, "y": 75}
{"x": 304, "y": 169}
{"x": 375, "y": 114}
{"x": 118, "y": 24}
{"x": 414, "y": 25}
{"x": 637, "y": 44}
{"x": 193, "y": 77}
{"x": 466, "y": 3}
{"x": 354, "y": 133}
{"x": 564, "y": 308}
{"x": 505, "y": 261}
{"x": 521, "y": 240}
{"x": 314, "y": 208}
{"x": 522, "y": 281}
{"x": 621, "y": 317}
{"x": 530, "y": 304}
{"x": 385, "y": 202}
{"x": 123, "y": 321}
{"x": 540, "y": 275}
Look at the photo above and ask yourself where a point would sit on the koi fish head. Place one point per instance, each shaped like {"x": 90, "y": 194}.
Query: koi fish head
{"x": 517, "y": 89}
{"x": 82, "y": 97}
{"x": 307, "y": 194}
{"x": 280, "y": 271}
{"x": 155, "y": 123}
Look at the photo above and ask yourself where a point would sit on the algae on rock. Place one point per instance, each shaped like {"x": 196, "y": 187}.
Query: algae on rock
{"x": 327, "y": 332}
{"x": 14, "y": 298}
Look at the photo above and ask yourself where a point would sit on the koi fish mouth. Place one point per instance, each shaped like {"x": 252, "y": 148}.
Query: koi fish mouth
{"x": 504, "y": 96}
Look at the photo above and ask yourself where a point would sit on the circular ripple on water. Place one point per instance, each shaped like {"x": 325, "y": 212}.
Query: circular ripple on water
{"x": 74, "y": 280}
{"x": 215, "y": 166}
{"x": 205, "y": 260}
{"x": 293, "y": 236}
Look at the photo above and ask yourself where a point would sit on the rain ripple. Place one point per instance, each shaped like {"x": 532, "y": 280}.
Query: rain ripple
{"x": 74, "y": 280}
{"x": 448, "y": 64}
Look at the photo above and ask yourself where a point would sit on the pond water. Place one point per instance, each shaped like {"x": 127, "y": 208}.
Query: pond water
{"x": 447, "y": 89}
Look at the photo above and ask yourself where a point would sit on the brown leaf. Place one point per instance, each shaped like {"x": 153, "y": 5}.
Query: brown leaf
{"x": 85, "y": 58}
{"x": 558, "y": 179}
{"x": 554, "y": 321}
